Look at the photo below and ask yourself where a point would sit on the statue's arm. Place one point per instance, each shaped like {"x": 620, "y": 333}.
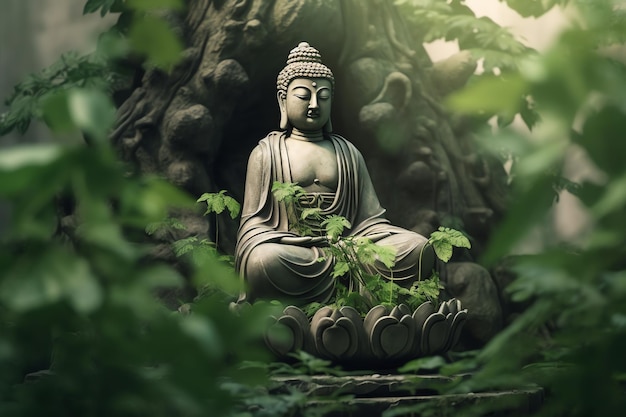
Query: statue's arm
{"x": 369, "y": 205}
{"x": 258, "y": 185}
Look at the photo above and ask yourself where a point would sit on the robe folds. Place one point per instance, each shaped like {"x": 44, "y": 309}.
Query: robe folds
{"x": 275, "y": 270}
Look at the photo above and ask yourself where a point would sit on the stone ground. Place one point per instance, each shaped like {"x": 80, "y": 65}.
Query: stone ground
{"x": 371, "y": 395}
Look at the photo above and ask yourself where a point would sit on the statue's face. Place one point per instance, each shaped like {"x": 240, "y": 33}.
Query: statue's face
{"x": 308, "y": 103}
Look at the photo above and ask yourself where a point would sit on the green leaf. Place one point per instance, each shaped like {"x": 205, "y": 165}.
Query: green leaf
{"x": 94, "y": 5}
{"x": 170, "y": 222}
{"x": 102, "y": 234}
{"x": 443, "y": 249}
{"x": 218, "y": 202}
{"x": 233, "y": 206}
{"x": 56, "y": 112}
{"x": 606, "y": 154}
{"x": 533, "y": 8}
{"x": 335, "y": 225}
{"x": 204, "y": 332}
{"x": 24, "y": 156}
{"x": 152, "y": 200}
{"x": 159, "y": 277}
{"x": 429, "y": 363}
{"x": 91, "y": 111}
{"x": 444, "y": 239}
{"x": 153, "y": 37}
{"x": 491, "y": 95}
{"x": 310, "y": 212}
{"x": 183, "y": 246}
{"x": 530, "y": 206}
{"x": 287, "y": 192}
{"x": 386, "y": 255}
{"x": 341, "y": 268}
{"x": 430, "y": 288}
{"x": 38, "y": 280}
{"x": 356, "y": 300}
{"x": 215, "y": 205}
{"x": 613, "y": 199}
{"x": 365, "y": 250}
{"x": 454, "y": 237}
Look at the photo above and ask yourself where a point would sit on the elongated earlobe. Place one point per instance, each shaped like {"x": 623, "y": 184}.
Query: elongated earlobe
{"x": 284, "y": 122}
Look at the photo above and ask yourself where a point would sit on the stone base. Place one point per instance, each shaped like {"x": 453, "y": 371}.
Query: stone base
{"x": 371, "y": 395}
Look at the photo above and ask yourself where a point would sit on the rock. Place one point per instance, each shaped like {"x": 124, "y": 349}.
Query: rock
{"x": 472, "y": 284}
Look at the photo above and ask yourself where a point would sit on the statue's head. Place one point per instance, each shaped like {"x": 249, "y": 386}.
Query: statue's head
{"x": 305, "y": 89}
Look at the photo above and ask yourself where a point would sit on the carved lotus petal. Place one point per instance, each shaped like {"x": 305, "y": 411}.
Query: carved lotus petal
{"x": 400, "y": 311}
{"x": 297, "y": 314}
{"x": 454, "y": 305}
{"x": 303, "y": 323}
{"x": 395, "y": 313}
{"x": 435, "y": 334}
{"x": 284, "y": 336}
{"x": 352, "y": 314}
{"x": 372, "y": 317}
{"x": 390, "y": 337}
{"x": 409, "y": 323}
{"x": 457, "y": 327}
{"x": 422, "y": 313}
{"x": 419, "y": 318}
{"x": 363, "y": 349}
{"x": 325, "y": 311}
{"x": 340, "y": 340}
{"x": 317, "y": 328}
{"x": 444, "y": 308}
{"x": 321, "y": 316}
{"x": 336, "y": 315}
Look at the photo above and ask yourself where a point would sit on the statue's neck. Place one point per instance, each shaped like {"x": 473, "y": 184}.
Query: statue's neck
{"x": 314, "y": 136}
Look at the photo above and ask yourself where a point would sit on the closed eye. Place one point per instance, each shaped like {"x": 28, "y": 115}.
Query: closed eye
{"x": 323, "y": 94}
{"x": 302, "y": 93}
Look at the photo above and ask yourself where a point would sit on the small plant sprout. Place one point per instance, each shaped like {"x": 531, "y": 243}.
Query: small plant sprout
{"x": 217, "y": 203}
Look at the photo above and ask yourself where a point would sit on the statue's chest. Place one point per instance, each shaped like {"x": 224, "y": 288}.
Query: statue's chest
{"x": 313, "y": 165}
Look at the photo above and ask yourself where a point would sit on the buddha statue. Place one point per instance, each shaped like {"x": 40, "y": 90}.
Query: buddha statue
{"x": 274, "y": 260}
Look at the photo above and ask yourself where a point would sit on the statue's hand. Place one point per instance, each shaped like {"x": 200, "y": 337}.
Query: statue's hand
{"x": 306, "y": 241}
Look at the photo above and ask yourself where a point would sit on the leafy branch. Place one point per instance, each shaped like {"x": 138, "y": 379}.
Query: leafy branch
{"x": 454, "y": 21}
{"x": 72, "y": 71}
{"x": 444, "y": 239}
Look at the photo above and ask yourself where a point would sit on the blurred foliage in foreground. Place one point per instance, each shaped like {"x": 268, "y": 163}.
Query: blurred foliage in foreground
{"x": 82, "y": 331}
{"x": 571, "y": 339}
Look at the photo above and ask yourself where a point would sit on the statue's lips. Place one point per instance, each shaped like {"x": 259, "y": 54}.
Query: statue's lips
{"x": 313, "y": 115}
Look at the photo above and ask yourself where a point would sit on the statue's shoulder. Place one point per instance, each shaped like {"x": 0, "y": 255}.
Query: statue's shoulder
{"x": 266, "y": 147}
{"x": 272, "y": 137}
{"x": 345, "y": 142}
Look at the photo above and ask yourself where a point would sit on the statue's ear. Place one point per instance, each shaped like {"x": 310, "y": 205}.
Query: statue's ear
{"x": 284, "y": 122}
{"x": 328, "y": 127}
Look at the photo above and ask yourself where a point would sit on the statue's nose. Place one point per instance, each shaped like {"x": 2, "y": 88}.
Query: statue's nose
{"x": 313, "y": 104}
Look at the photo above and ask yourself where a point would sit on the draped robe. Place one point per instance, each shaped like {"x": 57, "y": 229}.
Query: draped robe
{"x": 275, "y": 270}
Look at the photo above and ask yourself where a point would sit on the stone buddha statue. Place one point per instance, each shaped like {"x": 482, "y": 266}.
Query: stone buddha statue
{"x": 274, "y": 260}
